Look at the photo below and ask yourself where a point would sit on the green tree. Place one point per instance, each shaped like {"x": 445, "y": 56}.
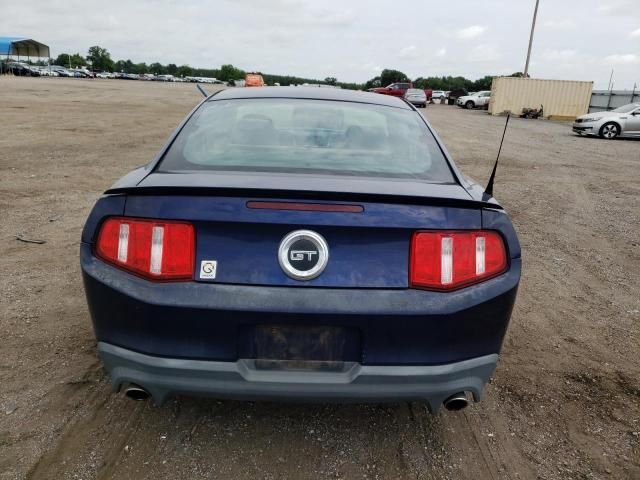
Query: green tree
{"x": 157, "y": 68}
{"x": 139, "y": 68}
{"x": 185, "y": 71}
{"x": 483, "y": 83}
{"x": 70, "y": 61}
{"x": 331, "y": 80}
{"x": 100, "y": 59}
{"x": 373, "y": 83}
{"x": 172, "y": 69}
{"x": 229, "y": 72}
{"x": 392, "y": 76}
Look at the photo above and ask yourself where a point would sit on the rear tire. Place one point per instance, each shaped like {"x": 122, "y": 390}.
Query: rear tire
{"x": 469, "y": 105}
{"x": 609, "y": 131}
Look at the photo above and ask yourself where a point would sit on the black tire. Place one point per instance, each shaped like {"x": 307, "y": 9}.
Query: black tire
{"x": 609, "y": 131}
{"x": 469, "y": 105}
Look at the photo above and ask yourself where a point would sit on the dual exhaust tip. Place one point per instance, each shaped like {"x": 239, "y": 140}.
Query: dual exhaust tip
{"x": 454, "y": 403}
{"x": 136, "y": 392}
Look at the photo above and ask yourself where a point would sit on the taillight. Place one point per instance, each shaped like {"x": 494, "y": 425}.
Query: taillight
{"x": 155, "y": 249}
{"x": 446, "y": 260}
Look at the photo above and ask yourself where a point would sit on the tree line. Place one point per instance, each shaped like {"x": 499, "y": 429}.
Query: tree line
{"x": 99, "y": 59}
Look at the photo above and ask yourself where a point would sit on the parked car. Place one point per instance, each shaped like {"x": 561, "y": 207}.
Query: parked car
{"x": 439, "y": 94}
{"x": 395, "y": 89}
{"x": 453, "y": 95}
{"x": 23, "y": 69}
{"x": 61, "y": 71}
{"x": 45, "y": 71}
{"x": 79, "y": 73}
{"x": 622, "y": 122}
{"x": 300, "y": 243}
{"x": 474, "y": 100}
{"x": 417, "y": 97}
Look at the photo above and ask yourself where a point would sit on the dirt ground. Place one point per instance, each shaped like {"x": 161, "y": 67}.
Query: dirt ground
{"x": 563, "y": 404}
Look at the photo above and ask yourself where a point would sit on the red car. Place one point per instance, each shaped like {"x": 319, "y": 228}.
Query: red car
{"x": 395, "y": 89}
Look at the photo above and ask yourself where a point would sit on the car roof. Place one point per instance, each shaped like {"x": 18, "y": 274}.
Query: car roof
{"x": 309, "y": 93}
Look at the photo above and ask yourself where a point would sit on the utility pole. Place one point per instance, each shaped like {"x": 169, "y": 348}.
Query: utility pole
{"x": 610, "y": 86}
{"x": 533, "y": 27}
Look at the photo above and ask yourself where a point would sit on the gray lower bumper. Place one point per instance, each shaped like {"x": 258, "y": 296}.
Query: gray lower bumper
{"x": 163, "y": 377}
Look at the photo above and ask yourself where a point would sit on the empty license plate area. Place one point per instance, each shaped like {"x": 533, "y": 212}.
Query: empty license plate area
{"x": 304, "y": 347}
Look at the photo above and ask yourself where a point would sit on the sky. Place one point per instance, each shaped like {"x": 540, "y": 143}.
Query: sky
{"x": 350, "y": 40}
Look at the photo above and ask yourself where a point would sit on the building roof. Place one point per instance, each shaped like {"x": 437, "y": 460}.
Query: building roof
{"x": 23, "y": 47}
{"x": 311, "y": 93}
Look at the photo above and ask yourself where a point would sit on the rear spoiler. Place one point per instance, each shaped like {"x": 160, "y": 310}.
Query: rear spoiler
{"x": 304, "y": 195}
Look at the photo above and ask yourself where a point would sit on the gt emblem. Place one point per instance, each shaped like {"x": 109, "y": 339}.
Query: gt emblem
{"x": 303, "y": 254}
{"x": 296, "y": 255}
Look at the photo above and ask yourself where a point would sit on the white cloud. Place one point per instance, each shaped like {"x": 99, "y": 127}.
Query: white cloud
{"x": 409, "y": 52}
{"x": 623, "y": 58}
{"x": 552, "y": 54}
{"x": 471, "y": 32}
{"x": 616, "y": 7}
{"x": 566, "y": 24}
{"x": 484, "y": 53}
{"x": 352, "y": 40}
{"x": 335, "y": 19}
{"x": 371, "y": 67}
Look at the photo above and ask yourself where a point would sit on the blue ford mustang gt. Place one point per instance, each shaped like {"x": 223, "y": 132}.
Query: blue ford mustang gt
{"x": 303, "y": 244}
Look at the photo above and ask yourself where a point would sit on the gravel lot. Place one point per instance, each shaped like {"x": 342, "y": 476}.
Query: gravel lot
{"x": 564, "y": 402}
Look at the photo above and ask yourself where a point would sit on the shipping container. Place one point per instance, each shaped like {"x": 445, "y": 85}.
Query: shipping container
{"x": 560, "y": 99}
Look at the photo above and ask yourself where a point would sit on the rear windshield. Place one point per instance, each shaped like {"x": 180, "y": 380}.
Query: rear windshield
{"x": 307, "y": 136}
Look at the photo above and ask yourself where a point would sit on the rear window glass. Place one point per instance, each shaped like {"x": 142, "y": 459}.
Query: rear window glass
{"x": 307, "y": 136}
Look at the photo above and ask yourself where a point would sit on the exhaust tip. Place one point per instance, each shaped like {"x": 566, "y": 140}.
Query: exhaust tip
{"x": 137, "y": 393}
{"x": 456, "y": 402}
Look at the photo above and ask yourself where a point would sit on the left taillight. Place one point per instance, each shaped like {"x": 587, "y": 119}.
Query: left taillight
{"x": 154, "y": 249}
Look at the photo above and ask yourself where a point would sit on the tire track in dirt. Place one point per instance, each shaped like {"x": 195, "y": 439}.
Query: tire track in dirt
{"x": 98, "y": 432}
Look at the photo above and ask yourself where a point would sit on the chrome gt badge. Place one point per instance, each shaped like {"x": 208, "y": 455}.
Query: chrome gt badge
{"x": 303, "y": 254}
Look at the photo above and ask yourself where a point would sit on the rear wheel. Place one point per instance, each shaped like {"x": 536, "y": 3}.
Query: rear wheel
{"x": 469, "y": 105}
{"x": 609, "y": 131}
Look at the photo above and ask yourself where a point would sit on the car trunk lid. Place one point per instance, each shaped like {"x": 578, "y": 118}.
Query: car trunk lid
{"x": 241, "y": 228}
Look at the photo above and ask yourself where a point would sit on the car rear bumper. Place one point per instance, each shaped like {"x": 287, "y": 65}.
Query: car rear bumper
{"x": 218, "y": 322}
{"x": 241, "y": 379}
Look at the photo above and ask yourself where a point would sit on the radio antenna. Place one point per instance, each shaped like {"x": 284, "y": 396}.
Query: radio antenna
{"x": 202, "y": 90}
{"x": 489, "y": 189}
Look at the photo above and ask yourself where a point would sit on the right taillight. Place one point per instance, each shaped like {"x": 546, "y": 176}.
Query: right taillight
{"x": 446, "y": 260}
{"x": 155, "y": 249}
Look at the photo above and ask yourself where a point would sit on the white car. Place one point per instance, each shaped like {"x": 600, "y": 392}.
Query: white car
{"x": 621, "y": 122}
{"x": 438, "y": 94}
{"x": 475, "y": 100}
